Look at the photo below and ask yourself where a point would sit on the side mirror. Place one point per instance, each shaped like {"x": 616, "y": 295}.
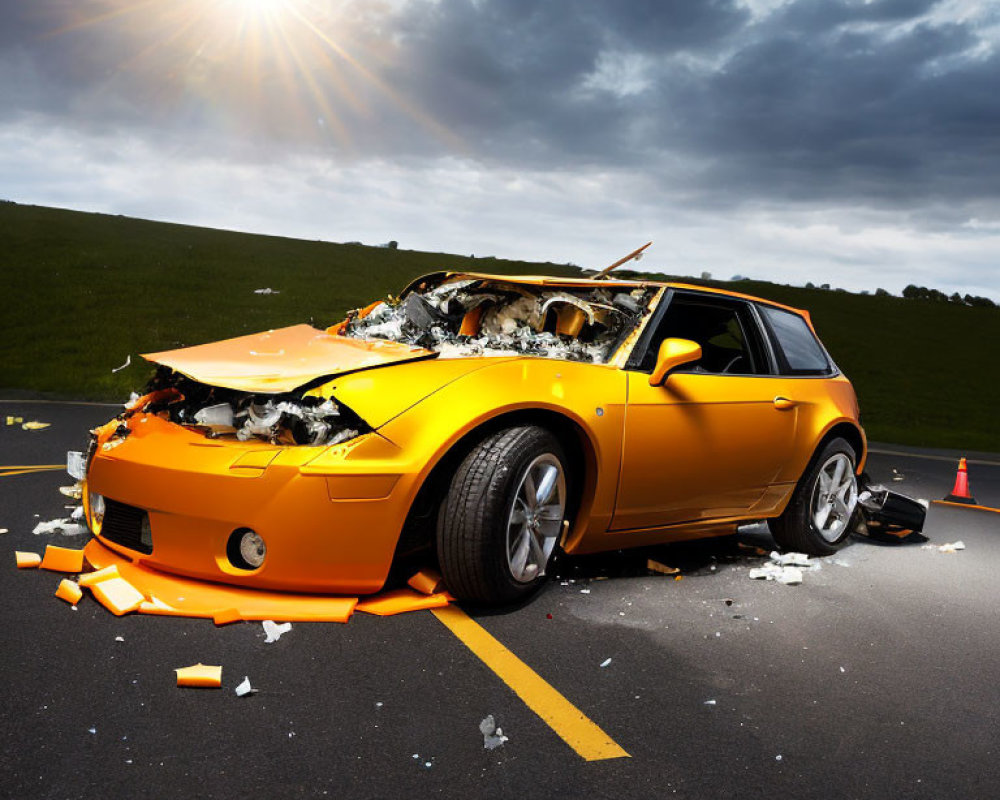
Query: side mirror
{"x": 673, "y": 353}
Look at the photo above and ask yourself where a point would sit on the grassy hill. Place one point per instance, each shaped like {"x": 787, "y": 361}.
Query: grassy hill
{"x": 82, "y": 291}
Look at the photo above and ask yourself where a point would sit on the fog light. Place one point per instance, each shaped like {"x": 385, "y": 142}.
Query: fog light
{"x": 96, "y": 502}
{"x": 246, "y": 549}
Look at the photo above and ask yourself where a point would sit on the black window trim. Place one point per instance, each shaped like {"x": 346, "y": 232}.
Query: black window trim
{"x": 764, "y": 335}
{"x": 784, "y": 370}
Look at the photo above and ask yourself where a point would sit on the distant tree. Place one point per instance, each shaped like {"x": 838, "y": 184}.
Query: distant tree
{"x": 956, "y": 298}
{"x": 392, "y": 245}
{"x": 810, "y": 285}
{"x": 881, "y": 293}
{"x": 825, "y": 286}
{"x": 737, "y": 278}
{"x": 912, "y": 292}
{"x": 706, "y": 276}
{"x": 865, "y": 291}
{"x": 980, "y": 302}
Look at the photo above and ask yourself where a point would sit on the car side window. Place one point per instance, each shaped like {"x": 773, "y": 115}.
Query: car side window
{"x": 800, "y": 350}
{"x": 726, "y": 330}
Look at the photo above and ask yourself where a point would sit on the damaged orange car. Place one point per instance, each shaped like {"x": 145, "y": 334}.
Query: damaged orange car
{"x": 485, "y": 420}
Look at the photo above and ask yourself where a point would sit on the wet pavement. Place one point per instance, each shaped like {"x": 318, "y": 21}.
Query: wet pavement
{"x": 873, "y": 678}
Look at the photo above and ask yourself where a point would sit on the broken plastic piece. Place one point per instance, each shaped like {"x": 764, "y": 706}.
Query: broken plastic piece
{"x": 101, "y": 575}
{"x": 400, "y": 601}
{"x": 951, "y": 547}
{"x": 273, "y": 630}
{"x": 62, "y": 559}
{"x": 776, "y": 572}
{"x": 605, "y": 662}
{"x": 34, "y": 425}
{"x": 245, "y": 688}
{"x": 69, "y": 591}
{"x": 492, "y": 735}
{"x": 27, "y": 560}
{"x": 75, "y": 491}
{"x": 226, "y": 616}
{"x": 663, "y": 569}
{"x": 790, "y": 559}
{"x": 201, "y": 676}
{"x": 427, "y": 581}
{"x": 117, "y": 595}
{"x": 76, "y": 464}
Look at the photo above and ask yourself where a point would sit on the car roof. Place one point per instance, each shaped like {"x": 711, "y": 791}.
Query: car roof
{"x": 557, "y": 281}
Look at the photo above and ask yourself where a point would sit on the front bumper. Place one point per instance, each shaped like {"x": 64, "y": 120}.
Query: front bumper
{"x": 330, "y": 517}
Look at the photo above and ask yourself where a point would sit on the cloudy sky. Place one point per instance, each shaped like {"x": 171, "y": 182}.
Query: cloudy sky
{"x": 837, "y": 141}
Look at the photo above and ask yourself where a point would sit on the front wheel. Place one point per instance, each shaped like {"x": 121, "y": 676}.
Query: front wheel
{"x": 502, "y": 517}
{"x": 818, "y": 519}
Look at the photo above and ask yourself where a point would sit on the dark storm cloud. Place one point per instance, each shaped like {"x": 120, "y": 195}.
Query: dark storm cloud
{"x": 881, "y": 103}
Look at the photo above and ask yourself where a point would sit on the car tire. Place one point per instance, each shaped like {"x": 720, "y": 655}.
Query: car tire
{"x": 502, "y": 516}
{"x": 821, "y": 514}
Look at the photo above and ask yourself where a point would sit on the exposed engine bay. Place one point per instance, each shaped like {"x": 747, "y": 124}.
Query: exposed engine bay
{"x": 473, "y": 316}
{"x": 275, "y": 418}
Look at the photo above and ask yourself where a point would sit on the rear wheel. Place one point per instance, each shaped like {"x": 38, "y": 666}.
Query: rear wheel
{"x": 819, "y": 517}
{"x": 502, "y": 517}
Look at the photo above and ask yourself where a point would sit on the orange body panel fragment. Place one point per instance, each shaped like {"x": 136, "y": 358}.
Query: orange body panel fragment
{"x": 27, "y": 560}
{"x": 427, "y": 581}
{"x": 62, "y": 559}
{"x": 400, "y": 601}
{"x": 91, "y": 578}
{"x": 200, "y": 676}
{"x": 170, "y": 595}
{"x": 69, "y": 591}
{"x": 117, "y": 595}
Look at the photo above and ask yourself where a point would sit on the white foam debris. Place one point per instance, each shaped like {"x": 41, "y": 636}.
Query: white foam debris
{"x": 493, "y": 737}
{"x": 119, "y": 638}
{"x": 65, "y": 526}
{"x": 776, "y": 572}
{"x": 585, "y": 591}
{"x": 244, "y": 688}
{"x": 273, "y": 630}
{"x": 951, "y": 547}
{"x": 709, "y": 703}
{"x": 3, "y": 530}
{"x": 790, "y": 559}
{"x": 77, "y": 514}
{"x": 605, "y": 662}
{"x": 267, "y": 290}
{"x": 128, "y": 362}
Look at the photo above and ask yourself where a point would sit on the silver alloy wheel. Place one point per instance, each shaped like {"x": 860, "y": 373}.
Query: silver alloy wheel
{"x": 535, "y": 519}
{"x": 835, "y": 496}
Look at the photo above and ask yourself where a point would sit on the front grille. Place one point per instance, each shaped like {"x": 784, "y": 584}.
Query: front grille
{"x": 123, "y": 525}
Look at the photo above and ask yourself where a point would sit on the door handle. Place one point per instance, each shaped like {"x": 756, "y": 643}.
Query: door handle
{"x": 783, "y": 403}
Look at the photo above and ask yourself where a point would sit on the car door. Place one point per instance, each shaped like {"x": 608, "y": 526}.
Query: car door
{"x": 708, "y": 442}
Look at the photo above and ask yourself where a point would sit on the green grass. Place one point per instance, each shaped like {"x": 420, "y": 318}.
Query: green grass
{"x": 82, "y": 291}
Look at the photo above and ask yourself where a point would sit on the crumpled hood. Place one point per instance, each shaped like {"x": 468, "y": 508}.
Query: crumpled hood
{"x": 273, "y": 362}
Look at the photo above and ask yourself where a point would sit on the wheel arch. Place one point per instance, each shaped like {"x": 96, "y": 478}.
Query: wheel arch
{"x": 581, "y": 456}
{"x": 852, "y": 434}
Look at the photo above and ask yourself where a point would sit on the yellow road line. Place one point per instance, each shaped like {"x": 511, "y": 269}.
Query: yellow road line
{"x": 32, "y": 466}
{"x": 571, "y": 724}
{"x": 6, "y": 473}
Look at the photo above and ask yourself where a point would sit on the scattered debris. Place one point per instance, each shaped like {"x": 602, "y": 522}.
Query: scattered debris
{"x": 119, "y": 638}
{"x": 245, "y": 688}
{"x": 91, "y": 578}
{"x": 3, "y": 531}
{"x": 273, "y": 631}
{"x": 62, "y": 559}
{"x": 493, "y": 737}
{"x": 776, "y": 572}
{"x": 759, "y": 551}
{"x": 951, "y": 547}
{"x": 128, "y": 362}
{"x": 77, "y": 514}
{"x": 790, "y": 559}
{"x": 585, "y": 591}
{"x": 268, "y": 290}
{"x": 27, "y": 560}
{"x": 75, "y": 491}
{"x": 66, "y": 526}
{"x": 69, "y": 591}
{"x": 400, "y": 601}
{"x": 897, "y": 476}
{"x": 605, "y": 662}
{"x": 663, "y": 569}
{"x": 427, "y": 581}
{"x": 709, "y": 703}
{"x": 34, "y": 425}
{"x": 117, "y": 595}
{"x": 778, "y": 757}
{"x": 200, "y": 676}
{"x": 91, "y": 730}
{"x": 14, "y": 420}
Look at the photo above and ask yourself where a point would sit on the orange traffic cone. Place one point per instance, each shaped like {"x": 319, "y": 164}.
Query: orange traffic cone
{"x": 961, "y": 493}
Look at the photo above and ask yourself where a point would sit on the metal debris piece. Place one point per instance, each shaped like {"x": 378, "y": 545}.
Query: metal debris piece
{"x": 201, "y": 676}
{"x": 273, "y": 630}
{"x": 493, "y": 737}
{"x": 75, "y": 491}
{"x": 128, "y": 362}
{"x": 245, "y": 688}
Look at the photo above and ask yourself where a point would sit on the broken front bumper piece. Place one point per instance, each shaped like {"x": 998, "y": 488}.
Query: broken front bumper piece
{"x": 883, "y": 509}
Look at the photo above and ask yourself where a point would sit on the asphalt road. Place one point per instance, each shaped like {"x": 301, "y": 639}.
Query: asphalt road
{"x": 874, "y": 678}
